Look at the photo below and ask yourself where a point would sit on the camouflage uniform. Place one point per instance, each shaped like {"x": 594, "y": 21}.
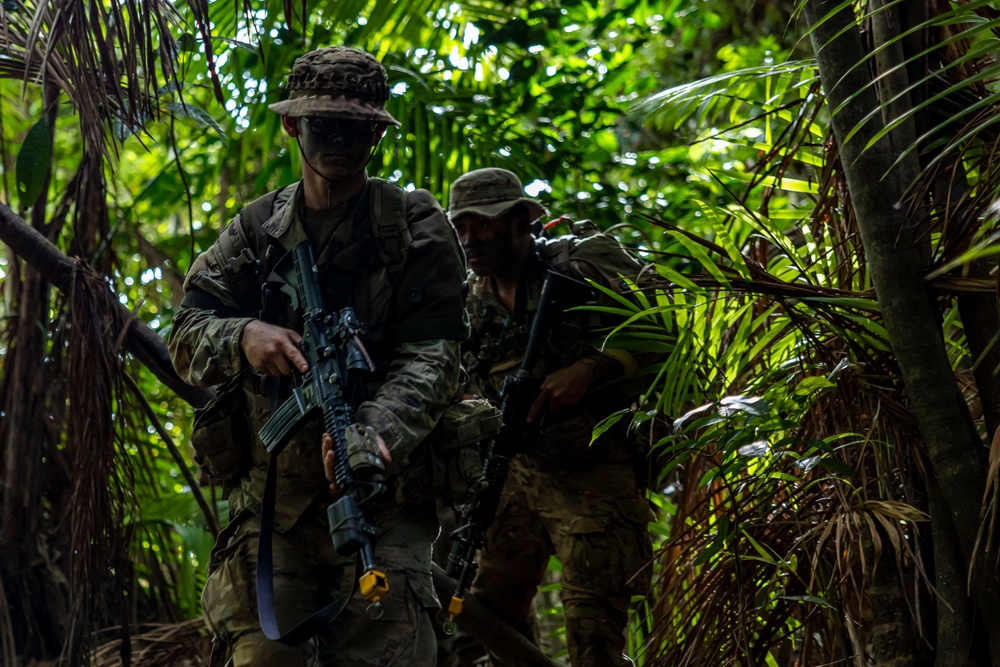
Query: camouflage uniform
{"x": 414, "y": 320}
{"x": 579, "y": 502}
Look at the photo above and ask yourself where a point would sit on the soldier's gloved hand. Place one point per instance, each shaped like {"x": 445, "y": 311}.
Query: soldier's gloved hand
{"x": 271, "y": 349}
{"x": 329, "y": 457}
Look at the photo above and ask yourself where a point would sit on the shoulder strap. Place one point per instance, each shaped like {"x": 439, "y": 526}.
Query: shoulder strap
{"x": 248, "y": 255}
{"x": 388, "y": 214}
{"x": 555, "y": 253}
{"x": 235, "y": 247}
{"x": 272, "y": 247}
{"x": 235, "y": 243}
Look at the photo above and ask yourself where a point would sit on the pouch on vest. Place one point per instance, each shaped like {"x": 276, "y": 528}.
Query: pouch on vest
{"x": 449, "y": 463}
{"x": 221, "y": 434}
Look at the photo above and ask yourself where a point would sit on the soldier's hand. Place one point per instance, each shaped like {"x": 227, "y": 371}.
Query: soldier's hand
{"x": 563, "y": 388}
{"x": 271, "y": 349}
{"x": 329, "y": 459}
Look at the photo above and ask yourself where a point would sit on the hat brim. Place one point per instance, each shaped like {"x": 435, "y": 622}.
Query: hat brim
{"x": 339, "y": 106}
{"x": 499, "y": 209}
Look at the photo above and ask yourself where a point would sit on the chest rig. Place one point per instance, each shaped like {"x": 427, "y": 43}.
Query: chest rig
{"x": 499, "y": 336}
{"x": 254, "y": 252}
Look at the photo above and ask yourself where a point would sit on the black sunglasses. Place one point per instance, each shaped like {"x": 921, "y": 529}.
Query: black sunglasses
{"x": 344, "y": 126}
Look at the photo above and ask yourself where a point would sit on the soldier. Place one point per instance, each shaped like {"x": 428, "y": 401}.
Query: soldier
{"x": 393, "y": 257}
{"x": 579, "y": 501}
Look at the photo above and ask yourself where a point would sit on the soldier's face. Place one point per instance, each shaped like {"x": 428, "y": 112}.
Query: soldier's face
{"x": 489, "y": 243}
{"x": 336, "y": 148}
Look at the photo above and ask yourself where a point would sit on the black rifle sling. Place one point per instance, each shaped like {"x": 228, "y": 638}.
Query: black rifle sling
{"x": 317, "y": 621}
{"x": 389, "y": 226}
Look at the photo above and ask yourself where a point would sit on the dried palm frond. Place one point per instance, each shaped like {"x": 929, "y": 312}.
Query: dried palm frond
{"x": 109, "y": 59}
{"x": 100, "y": 473}
{"x": 163, "y": 645}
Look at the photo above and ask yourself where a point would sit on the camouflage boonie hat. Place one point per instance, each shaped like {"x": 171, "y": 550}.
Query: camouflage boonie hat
{"x": 337, "y": 81}
{"x": 490, "y": 193}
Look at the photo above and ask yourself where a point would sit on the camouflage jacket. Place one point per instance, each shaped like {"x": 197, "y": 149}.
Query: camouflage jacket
{"x": 415, "y": 321}
{"x": 499, "y": 337}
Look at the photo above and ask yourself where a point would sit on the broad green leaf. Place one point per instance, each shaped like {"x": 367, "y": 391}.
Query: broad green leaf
{"x": 676, "y": 278}
{"x": 758, "y": 448}
{"x": 784, "y": 183}
{"x": 699, "y": 253}
{"x": 34, "y": 160}
{"x": 753, "y": 405}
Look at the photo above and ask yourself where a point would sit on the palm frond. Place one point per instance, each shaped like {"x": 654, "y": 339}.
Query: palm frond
{"x": 109, "y": 60}
{"x": 100, "y": 481}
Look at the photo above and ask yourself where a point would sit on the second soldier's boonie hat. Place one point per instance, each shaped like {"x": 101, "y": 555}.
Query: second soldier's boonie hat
{"x": 490, "y": 192}
{"x": 337, "y": 81}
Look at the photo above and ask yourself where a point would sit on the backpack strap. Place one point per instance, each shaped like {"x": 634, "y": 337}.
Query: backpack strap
{"x": 556, "y": 254}
{"x": 272, "y": 250}
{"x": 236, "y": 245}
{"x": 388, "y": 215}
{"x": 249, "y": 256}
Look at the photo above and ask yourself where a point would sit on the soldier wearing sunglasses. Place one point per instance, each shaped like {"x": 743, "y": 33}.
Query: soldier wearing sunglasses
{"x": 393, "y": 257}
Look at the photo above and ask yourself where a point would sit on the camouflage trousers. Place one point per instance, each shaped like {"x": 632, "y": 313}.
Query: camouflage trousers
{"x": 307, "y": 574}
{"x": 594, "y": 520}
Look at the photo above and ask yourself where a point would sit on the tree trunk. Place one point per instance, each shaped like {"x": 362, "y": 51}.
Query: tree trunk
{"x": 892, "y": 83}
{"x": 955, "y": 612}
{"x": 876, "y": 189}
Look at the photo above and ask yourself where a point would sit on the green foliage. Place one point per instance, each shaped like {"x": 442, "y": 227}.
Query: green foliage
{"x": 546, "y": 90}
{"x": 696, "y": 132}
{"x": 33, "y": 162}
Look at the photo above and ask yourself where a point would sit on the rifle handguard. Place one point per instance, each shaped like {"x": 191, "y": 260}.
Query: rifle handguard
{"x": 363, "y": 454}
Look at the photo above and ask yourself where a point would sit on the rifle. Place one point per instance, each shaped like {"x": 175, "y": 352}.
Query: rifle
{"x": 337, "y": 363}
{"x": 517, "y": 393}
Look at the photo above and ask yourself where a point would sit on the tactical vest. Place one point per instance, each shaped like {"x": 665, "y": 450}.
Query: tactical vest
{"x": 221, "y": 431}
{"x": 253, "y": 257}
{"x": 557, "y": 254}
{"x": 565, "y": 442}
{"x": 448, "y": 463}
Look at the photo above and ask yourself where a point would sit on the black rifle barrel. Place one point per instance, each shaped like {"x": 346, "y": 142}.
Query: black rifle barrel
{"x": 539, "y": 325}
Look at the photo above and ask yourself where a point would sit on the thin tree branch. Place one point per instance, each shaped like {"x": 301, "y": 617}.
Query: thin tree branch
{"x": 210, "y": 518}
